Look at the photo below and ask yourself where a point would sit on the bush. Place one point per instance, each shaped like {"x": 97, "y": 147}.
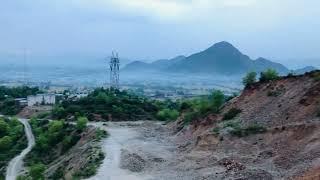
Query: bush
{"x": 269, "y": 75}
{"x": 218, "y": 99}
{"x": 36, "y": 171}
{"x": 232, "y": 113}
{"x": 167, "y": 115}
{"x": 251, "y": 129}
{"x": 5, "y": 143}
{"x": 82, "y": 123}
{"x": 249, "y": 79}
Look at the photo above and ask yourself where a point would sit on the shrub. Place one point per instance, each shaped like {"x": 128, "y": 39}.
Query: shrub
{"x": 232, "y": 113}
{"x": 249, "y": 79}
{"x": 5, "y": 143}
{"x": 268, "y": 75}
{"x": 217, "y": 100}
{"x": 167, "y": 115}
{"x": 82, "y": 123}
{"x": 36, "y": 171}
{"x": 246, "y": 131}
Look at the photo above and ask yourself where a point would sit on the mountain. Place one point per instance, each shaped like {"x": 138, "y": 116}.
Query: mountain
{"x": 304, "y": 70}
{"x": 222, "y": 58}
{"x": 262, "y": 64}
{"x": 159, "y": 65}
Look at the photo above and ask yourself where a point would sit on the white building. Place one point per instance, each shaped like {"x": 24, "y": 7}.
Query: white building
{"x": 41, "y": 99}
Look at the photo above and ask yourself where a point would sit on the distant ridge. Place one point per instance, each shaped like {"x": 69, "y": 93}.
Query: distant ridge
{"x": 221, "y": 58}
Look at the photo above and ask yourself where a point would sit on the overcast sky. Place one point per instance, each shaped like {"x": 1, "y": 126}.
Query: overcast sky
{"x": 153, "y": 29}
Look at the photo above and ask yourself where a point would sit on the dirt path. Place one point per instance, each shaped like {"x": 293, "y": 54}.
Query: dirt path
{"x": 15, "y": 165}
{"x": 138, "y": 151}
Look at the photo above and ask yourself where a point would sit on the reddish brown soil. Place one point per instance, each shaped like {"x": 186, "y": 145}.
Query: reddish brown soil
{"x": 290, "y": 149}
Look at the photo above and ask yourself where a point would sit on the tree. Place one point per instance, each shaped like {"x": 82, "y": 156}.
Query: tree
{"x": 55, "y": 126}
{"x": 36, "y": 171}
{"x": 82, "y": 123}
{"x": 5, "y": 143}
{"x": 249, "y": 79}
{"x": 4, "y": 128}
{"x": 167, "y": 114}
{"x": 218, "y": 99}
{"x": 269, "y": 75}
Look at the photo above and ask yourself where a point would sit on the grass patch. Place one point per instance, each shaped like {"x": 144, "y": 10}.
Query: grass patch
{"x": 232, "y": 113}
{"x": 249, "y": 130}
{"x": 235, "y": 128}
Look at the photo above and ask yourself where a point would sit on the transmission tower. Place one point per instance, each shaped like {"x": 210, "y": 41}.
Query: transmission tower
{"x": 114, "y": 71}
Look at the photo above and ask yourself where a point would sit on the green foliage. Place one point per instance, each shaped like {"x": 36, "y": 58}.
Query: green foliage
{"x": 101, "y": 134}
{"x": 82, "y": 123}
{"x": 236, "y": 129}
{"x": 12, "y": 141}
{"x": 59, "y": 112}
{"x": 167, "y": 115}
{"x": 249, "y": 79}
{"x": 8, "y": 105}
{"x": 246, "y": 131}
{"x": 218, "y": 99}
{"x": 106, "y": 103}
{"x": 51, "y": 135}
{"x": 5, "y": 143}
{"x": 199, "y": 108}
{"x": 36, "y": 171}
{"x": 232, "y": 113}
{"x": 17, "y": 92}
{"x": 4, "y": 128}
{"x": 269, "y": 75}
{"x": 91, "y": 168}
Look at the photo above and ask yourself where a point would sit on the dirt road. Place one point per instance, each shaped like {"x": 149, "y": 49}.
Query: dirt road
{"x": 15, "y": 165}
{"x": 139, "y": 151}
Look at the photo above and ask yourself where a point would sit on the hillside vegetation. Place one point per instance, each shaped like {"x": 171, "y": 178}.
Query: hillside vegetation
{"x": 57, "y": 149}
{"x": 108, "y": 104}
{"x": 12, "y": 141}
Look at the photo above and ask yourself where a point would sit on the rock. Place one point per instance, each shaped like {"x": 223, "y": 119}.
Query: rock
{"x": 131, "y": 161}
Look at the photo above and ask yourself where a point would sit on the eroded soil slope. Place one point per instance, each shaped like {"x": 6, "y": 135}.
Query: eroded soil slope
{"x": 287, "y": 147}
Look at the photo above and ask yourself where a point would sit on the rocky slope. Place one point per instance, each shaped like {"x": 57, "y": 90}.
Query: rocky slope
{"x": 280, "y": 133}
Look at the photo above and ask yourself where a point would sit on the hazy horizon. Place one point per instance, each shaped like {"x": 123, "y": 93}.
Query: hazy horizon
{"x": 54, "y": 31}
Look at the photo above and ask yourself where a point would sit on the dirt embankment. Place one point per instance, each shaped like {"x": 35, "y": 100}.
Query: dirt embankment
{"x": 289, "y": 109}
{"x": 80, "y": 160}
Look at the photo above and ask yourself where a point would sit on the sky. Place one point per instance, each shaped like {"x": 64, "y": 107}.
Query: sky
{"x": 286, "y": 31}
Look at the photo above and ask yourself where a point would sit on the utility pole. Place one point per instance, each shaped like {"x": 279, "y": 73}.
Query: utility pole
{"x": 114, "y": 71}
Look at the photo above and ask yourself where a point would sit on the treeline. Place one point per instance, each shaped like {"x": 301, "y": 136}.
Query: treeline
{"x": 8, "y": 105}
{"x": 12, "y": 141}
{"x": 107, "y": 104}
{"x": 17, "y": 92}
